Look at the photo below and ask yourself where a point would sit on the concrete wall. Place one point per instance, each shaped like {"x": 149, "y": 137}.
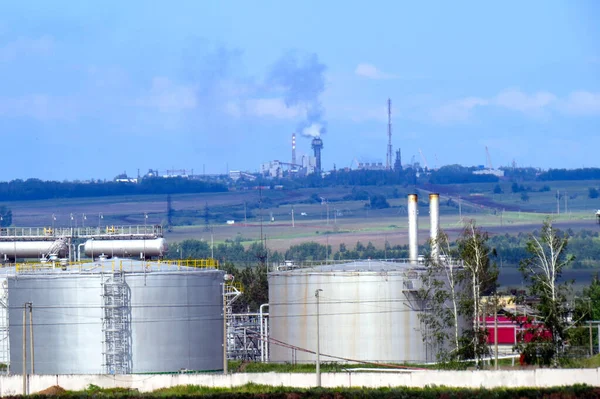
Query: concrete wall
{"x": 10, "y": 385}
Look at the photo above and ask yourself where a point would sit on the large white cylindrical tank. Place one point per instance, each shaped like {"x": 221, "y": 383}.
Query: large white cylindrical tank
{"x": 369, "y": 311}
{"x": 30, "y": 249}
{"x": 160, "y": 319}
{"x": 136, "y": 248}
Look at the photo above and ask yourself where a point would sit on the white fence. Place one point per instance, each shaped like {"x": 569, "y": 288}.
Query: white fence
{"x": 11, "y": 385}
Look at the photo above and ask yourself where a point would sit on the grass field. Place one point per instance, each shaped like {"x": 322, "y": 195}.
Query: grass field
{"x": 333, "y": 222}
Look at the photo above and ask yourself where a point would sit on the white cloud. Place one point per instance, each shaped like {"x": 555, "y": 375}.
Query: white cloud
{"x": 583, "y": 103}
{"x": 538, "y": 104}
{"x": 26, "y": 46}
{"x": 517, "y": 100}
{"x": 370, "y": 71}
{"x": 167, "y": 96}
{"x": 233, "y": 109}
{"x": 457, "y": 111}
{"x": 263, "y": 108}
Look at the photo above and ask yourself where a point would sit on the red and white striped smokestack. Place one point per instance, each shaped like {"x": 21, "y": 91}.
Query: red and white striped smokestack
{"x": 413, "y": 228}
{"x": 434, "y": 218}
{"x": 294, "y": 148}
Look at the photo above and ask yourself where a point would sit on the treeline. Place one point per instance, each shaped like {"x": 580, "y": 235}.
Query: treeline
{"x": 235, "y": 253}
{"x": 36, "y": 189}
{"x": 451, "y": 174}
{"x": 508, "y": 251}
{"x": 584, "y": 246}
{"x": 570, "y": 174}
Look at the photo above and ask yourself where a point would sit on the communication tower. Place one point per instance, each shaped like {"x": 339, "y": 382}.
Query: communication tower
{"x": 388, "y": 163}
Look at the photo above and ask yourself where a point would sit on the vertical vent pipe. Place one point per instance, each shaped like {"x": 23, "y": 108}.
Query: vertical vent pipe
{"x": 434, "y": 218}
{"x": 413, "y": 228}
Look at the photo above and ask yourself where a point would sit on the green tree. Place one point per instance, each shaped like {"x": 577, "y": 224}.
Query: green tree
{"x": 593, "y": 193}
{"x": 440, "y": 294}
{"x": 587, "y": 308}
{"x": 542, "y": 270}
{"x": 308, "y": 251}
{"x": 378, "y": 201}
{"x": 481, "y": 277}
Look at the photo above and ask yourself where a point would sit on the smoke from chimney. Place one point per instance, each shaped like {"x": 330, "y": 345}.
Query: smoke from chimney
{"x": 302, "y": 79}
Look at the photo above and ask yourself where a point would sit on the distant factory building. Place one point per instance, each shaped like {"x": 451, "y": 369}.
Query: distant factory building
{"x": 272, "y": 169}
{"x": 371, "y": 166}
{"x": 495, "y": 172}
{"x": 236, "y": 175}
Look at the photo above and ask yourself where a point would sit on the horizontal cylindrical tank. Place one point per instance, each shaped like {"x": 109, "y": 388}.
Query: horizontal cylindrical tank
{"x": 369, "y": 311}
{"x": 31, "y": 249}
{"x": 149, "y": 320}
{"x": 136, "y": 248}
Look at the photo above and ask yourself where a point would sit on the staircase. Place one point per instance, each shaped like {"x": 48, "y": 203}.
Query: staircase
{"x": 116, "y": 325}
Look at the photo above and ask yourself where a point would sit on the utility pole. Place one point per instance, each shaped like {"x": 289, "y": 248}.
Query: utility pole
{"x": 459, "y": 208}
{"x": 25, "y": 348}
{"x": 293, "y": 222}
{"x": 496, "y": 327}
{"x": 212, "y": 250}
{"x": 591, "y": 340}
{"x": 318, "y": 341}
{"x": 224, "y": 329}
{"x": 557, "y": 202}
{"x": 31, "y": 352}
{"x": 388, "y": 165}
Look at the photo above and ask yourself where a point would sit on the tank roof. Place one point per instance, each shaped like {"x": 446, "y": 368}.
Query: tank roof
{"x": 100, "y": 266}
{"x": 367, "y": 265}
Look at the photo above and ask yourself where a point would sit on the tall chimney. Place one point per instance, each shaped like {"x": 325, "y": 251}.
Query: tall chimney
{"x": 434, "y": 218}
{"x": 413, "y": 228}
{"x": 317, "y": 146}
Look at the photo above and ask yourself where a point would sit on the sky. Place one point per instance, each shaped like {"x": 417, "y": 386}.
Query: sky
{"x": 94, "y": 89}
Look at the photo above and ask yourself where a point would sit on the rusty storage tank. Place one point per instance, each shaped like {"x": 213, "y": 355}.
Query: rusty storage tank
{"x": 369, "y": 311}
{"x": 116, "y": 317}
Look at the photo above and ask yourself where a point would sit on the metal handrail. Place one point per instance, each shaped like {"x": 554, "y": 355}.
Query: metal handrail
{"x": 83, "y": 232}
{"x": 118, "y": 265}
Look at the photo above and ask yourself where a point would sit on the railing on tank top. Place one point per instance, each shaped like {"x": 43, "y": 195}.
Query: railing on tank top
{"x": 117, "y": 265}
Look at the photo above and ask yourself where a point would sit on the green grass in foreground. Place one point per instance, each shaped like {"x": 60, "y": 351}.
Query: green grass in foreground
{"x": 265, "y": 392}
{"x": 589, "y": 362}
{"x": 236, "y": 366}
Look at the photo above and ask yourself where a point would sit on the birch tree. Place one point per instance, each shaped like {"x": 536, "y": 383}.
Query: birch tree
{"x": 480, "y": 278}
{"x": 441, "y": 297}
{"x": 543, "y": 269}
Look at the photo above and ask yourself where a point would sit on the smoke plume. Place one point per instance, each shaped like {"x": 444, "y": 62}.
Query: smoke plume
{"x": 302, "y": 79}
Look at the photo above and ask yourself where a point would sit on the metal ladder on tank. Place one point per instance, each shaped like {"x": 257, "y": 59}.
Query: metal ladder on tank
{"x": 116, "y": 325}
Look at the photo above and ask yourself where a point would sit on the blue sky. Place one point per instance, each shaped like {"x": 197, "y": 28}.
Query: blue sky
{"x": 92, "y": 89}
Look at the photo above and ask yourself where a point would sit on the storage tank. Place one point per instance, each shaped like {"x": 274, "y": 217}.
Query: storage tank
{"x": 118, "y": 317}
{"x": 32, "y": 249}
{"x": 154, "y": 247}
{"x": 369, "y": 311}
